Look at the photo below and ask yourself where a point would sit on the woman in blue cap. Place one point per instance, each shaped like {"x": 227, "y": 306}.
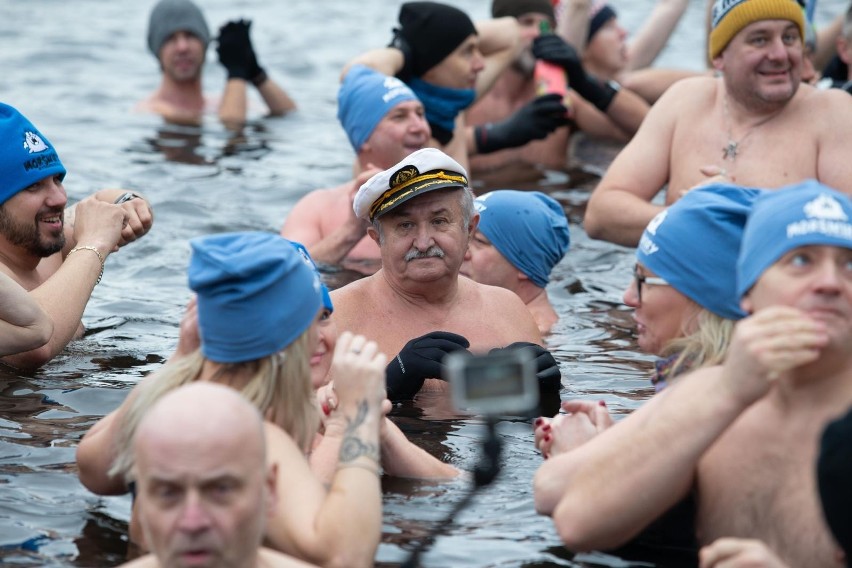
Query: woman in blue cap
{"x": 258, "y": 307}
{"x": 685, "y": 305}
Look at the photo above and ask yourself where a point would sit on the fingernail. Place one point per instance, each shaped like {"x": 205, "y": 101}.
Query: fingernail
{"x": 546, "y": 428}
{"x": 325, "y": 409}
{"x": 602, "y": 403}
{"x": 538, "y": 421}
{"x": 547, "y": 438}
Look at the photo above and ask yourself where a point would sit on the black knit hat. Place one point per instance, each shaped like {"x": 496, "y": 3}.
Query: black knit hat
{"x": 834, "y": 477}
{"x": 432, "y": 32}
{"x": 517, "y": 8}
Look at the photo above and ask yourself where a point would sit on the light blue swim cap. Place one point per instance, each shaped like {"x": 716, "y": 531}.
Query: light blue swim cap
{"x": 693, "y": 245}
{"x": 806, "y": 213}
{"x": 306, "y": 256}
{"x": 529, "y": 228}
{"x": 256, "y": 294}
{"x": 364, "y": 98}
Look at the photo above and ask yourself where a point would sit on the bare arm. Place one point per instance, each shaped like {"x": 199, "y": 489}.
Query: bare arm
{"x": 304, "y": 223}
{"x": 402, "y": 458}
{"x": 617, "y": 483}
{"x": 23, "y": 324}
{"x": 500, "y": 43}
{"x": 619, "y": 208}
{"x": 650, "y": 40}
{"x": 627, "y": 110}
{"x": 344, "y": 524}
{"x": 573, "y": 26}
{"x": 234, "y": 104}
{"x": 385, "y": 60}
{"x": 63, "y": 296}
{"x": 276, "y": 98}
{"x": 827, "y": 40}
{"x": 832, "y": 168}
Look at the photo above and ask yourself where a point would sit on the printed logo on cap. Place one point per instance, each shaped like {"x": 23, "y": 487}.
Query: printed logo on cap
{"x": 825, "y": 216}
{"x": 395, "y": 88}
{"x": 646, "y": 245}
{"x": 33, "y": 142}
{"x": 479, "y": 203}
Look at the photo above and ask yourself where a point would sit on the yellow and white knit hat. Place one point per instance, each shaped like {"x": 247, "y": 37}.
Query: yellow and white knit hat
{"x": 730, "y": 16}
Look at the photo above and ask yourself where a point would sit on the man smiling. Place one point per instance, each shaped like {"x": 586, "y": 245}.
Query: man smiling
{"x": 58, "y": 255}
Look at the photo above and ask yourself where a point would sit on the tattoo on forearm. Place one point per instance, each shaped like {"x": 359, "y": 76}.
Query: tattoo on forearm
{"x": 353, "y": 446}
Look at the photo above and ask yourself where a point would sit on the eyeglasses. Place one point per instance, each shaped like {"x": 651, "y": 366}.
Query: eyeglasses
{"x": 642, "y": 279}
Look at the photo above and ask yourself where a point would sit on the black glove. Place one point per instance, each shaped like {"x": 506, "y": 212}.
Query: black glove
{"x": 552, "y": 48}
{"x": 399, "y": 42}
{"x": 533, "y": 121}
{"x": 419, "y": 360}
{"x": 236, "y": 53}
{"x": 547, "y": 369}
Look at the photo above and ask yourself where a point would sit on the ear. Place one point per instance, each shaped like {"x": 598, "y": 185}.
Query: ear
{"x": 474, "y": 223}
{"x": 747, "y": 305}
{"x": 522, "y": 276}
{"x": 271, "y": 483}
{"x": 373, "y": 234}
{"x": 717, "y": 62}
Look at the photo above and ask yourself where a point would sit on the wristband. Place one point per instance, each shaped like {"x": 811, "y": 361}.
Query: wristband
{"x": 259, "y": 79}
{"x": 96, "y": 251}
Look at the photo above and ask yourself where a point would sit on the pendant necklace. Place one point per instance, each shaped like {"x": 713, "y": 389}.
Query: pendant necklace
{"x": 731, "y": 149}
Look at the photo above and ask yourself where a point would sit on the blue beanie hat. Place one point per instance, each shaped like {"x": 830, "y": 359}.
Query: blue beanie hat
{"x": 693, "y": 245}
{"x": 529, "y": 228}
{"x": 364, "y": 98}
{"x": 28, "y": 156}
{"x": 171, "y": 16}
{"x": 256, "y": 294}
{"x": 306, "y": 256}
{"x": 806, "y": 213}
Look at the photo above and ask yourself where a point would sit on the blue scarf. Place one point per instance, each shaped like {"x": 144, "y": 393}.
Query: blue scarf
{"x": 442, "y": 105}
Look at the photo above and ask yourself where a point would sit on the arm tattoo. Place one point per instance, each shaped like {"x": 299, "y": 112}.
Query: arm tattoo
{"x": 353, "y": 447}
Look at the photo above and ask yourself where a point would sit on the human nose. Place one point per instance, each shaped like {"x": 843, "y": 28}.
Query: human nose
{"x": 193, "y": 516}
{"x": 56, "y": 196}
{"x": 631, "y": 294}
{"x": 423, "y": 237}
{"x": 828, "y": 277}
{"x": 478, "y": 61}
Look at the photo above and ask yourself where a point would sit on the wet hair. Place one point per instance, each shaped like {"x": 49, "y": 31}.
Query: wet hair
{"x": 279, "y": 387}
{"x": 465, "y": 202}
{"x": 704, "y": 347}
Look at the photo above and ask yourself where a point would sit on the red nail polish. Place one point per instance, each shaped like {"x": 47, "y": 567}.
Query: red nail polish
{"x": 325, "y": 409}
{"x": 546, "y": 428}
{"x": 538, "y": 421}
{"x": 601, "y": 403}
{"x": 547, "y": 438}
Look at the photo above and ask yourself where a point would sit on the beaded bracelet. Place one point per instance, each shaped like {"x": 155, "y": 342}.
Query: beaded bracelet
{"x": 97, "y": 252}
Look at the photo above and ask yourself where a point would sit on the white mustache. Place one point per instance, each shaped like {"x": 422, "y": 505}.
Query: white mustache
{"x": 433, "y": 251}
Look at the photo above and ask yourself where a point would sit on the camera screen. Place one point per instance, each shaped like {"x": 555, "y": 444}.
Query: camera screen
{"x": 487, "y": 381}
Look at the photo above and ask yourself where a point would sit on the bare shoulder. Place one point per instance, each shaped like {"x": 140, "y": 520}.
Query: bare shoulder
{"x": 504, "y": 310}
{"x": 147, "y": 561}
{"x": 269, "y": 557}
{"x": 688, "y": 93}
{"x": 323, "y": 197}
{"x": 351, "y": 300}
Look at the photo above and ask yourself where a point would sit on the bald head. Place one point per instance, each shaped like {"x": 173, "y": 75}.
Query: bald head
{"x": 200, "y": 413}
{"x": 204, "y": 489}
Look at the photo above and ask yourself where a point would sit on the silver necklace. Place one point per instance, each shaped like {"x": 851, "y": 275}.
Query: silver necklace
{"x": 731, "y": 149}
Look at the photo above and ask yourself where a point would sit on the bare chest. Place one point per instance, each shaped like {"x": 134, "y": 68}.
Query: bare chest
{"x": 758, "y": 482}
{"x": 769, "y": 155}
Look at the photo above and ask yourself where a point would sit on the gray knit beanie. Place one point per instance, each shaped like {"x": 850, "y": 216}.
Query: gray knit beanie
{"x": 170, "y": 16}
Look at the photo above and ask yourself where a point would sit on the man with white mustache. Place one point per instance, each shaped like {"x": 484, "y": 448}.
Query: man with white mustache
{"x": 57, "y": 255}
{"x": 422, "y": 217}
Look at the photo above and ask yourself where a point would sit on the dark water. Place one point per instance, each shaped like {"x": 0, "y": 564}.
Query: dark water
{"x": 77, "y": 69}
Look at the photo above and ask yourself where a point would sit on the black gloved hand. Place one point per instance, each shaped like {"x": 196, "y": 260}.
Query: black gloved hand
{"x": 552, "y": 48}
{"x": 419, "y": 360}
{"x": 547, "y": 369}
{"x": 236, "y": 53}
{"x": 402, "y": 44}
{"x": 533, "y": 121}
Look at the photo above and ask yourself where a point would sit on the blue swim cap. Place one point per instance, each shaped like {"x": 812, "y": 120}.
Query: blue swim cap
{"x": 806, "y": 213}
{"x": 27, "y": 157}
{"x": 306, "y": 256}
{"x": 256, "y": 294}
{"x": 693, "y": 245}
{"x": 364, "y": 98}
{"x": 529, "y": 228}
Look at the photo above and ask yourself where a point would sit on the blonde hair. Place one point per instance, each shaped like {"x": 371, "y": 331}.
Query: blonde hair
{"x": 704, "y": 347}
{"x": 279, "y": 387}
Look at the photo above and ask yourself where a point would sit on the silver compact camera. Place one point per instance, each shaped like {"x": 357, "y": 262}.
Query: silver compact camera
{"x": 501, "y": 382}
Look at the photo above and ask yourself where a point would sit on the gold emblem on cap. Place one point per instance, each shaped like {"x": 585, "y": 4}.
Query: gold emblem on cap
{"x": 402, "y": 175}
